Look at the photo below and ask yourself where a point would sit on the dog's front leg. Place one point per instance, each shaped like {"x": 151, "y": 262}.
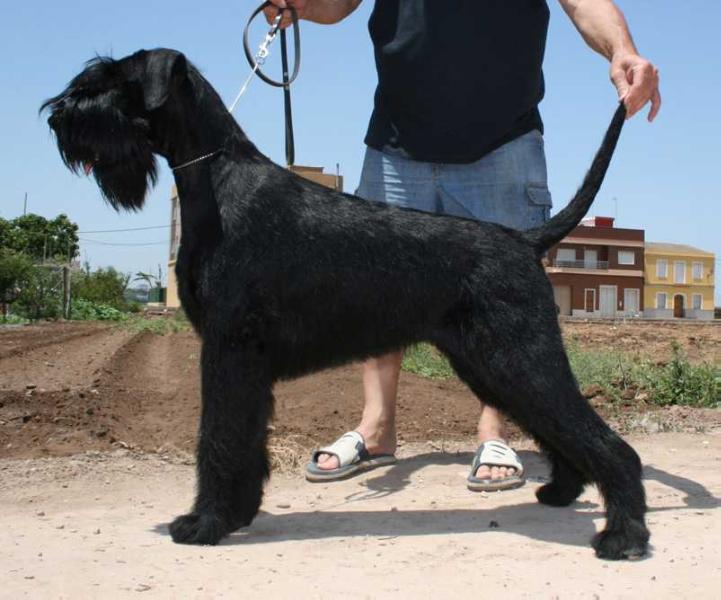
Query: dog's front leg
{"x": 232, "y": 460}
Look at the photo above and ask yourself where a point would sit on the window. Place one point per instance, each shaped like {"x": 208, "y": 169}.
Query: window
{"x": 661, "y": 300}
{"x": 697, "y": 271}
{"x": 662, "y": 268}
{"x": 697, "y": 301}
{"x": 679, "y": 272}
{"x": 626, "y": 257}
{"x": 566, "y": 255}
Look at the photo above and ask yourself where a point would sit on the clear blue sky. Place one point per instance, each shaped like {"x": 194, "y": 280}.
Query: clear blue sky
{"x": 664, "y": 178}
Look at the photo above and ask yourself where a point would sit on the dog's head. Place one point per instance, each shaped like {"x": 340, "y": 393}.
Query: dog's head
{"x": 106, "y": 121}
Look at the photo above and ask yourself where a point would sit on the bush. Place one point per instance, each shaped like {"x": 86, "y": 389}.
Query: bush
{"x": 84, "y": 310}
{"x": 102, "y": 286}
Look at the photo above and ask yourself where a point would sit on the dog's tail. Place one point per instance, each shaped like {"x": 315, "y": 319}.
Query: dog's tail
{"x": 554, "y": 230}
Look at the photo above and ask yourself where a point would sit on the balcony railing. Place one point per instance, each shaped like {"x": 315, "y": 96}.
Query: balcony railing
{"x": 598, "y": 265}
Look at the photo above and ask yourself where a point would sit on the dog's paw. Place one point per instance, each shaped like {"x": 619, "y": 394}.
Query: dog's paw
{"x": 553, "y": 494}
{"x": 629, "y": 543}
{"x": 202, "y": 529}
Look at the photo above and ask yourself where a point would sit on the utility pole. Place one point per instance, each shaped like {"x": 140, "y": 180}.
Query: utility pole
{"x": 25, "y": 205}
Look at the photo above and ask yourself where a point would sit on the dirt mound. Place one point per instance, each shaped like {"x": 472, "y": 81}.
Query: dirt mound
{"x": 70, "y": 388}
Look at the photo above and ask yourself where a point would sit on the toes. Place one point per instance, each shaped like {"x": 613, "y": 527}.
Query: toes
{"x": 483, "y": 472}
{"x": 201, "y": 529}
{"x": 627, "y": 543}
{"x": 328, "y": 462}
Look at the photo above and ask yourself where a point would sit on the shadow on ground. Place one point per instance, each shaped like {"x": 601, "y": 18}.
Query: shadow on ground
{"x": 572, "y": 526}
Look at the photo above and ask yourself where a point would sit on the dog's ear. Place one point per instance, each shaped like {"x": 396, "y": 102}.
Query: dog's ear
{"x": 165, "y": 69}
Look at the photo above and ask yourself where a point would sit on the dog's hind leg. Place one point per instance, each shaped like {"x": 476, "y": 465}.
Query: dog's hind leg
{"x": 232, "y": 462}
{"x": 527, "y": 376}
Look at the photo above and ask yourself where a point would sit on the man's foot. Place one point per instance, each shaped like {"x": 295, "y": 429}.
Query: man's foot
{"x": 495, "y": 467}
{"x": 378, "y": 441}
{"x": 350, "y": 455}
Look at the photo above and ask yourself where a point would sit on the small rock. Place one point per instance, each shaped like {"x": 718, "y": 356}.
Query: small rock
{"x": 142, "y": 588}
{"x": 60, "y": 527}
{"x": 31, "y": 386}
{"x": 493, "y": 525}
{"x": 96, "y": 532}
{"x": 40, "y": 513}
{"x": 283, "y": 505}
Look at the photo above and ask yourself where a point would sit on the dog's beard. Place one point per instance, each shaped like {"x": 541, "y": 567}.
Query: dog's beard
{"x": 94, "y": 135}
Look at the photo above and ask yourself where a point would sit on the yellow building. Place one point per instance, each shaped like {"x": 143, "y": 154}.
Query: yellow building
{"x": 679, "y": 282}
{"x": 171, "y": 298}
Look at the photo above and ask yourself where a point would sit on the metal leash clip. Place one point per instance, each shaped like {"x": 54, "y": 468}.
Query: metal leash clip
{"x": 263, "y": 50}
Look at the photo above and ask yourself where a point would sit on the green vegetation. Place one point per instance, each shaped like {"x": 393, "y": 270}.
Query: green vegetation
{"x": 41, "y": 239}
{"x": 85, "y": 310}
{"x": 157, "y": 325}
{"x": 426, "y": 361}
{"x": 102, "y": 286}
{"x": 617, "y": 375}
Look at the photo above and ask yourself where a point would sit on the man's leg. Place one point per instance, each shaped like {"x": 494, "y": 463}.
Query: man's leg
{"x": 406, "y": 183}
{"x": 378, "y": 423}
{"x": 509, "y": 187}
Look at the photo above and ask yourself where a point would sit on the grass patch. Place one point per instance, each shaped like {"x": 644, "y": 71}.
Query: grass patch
{"x": 157, "y": 325}
{"x": 617, "y": 375}
{"x": 426, "y": 361}
{"x": 14, "y": 320}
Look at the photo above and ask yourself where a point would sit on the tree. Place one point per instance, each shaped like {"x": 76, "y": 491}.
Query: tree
{"x": 103, "y": 286}
{"x": 14, "y": 268}
{"x": 40, "y": 238}
{"x": 40, "y": 295}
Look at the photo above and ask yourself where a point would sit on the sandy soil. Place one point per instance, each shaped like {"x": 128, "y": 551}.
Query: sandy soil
{"x": 94, "y": 525}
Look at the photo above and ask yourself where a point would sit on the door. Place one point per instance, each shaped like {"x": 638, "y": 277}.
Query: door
{"x": 590, "y": 259}
{"x": 589, "y": 300}
{"x": 562, "y": 296}
{"x": 632, "y": 301}
{"x": 607, "y": 301}
{"x": 678, "y": 306}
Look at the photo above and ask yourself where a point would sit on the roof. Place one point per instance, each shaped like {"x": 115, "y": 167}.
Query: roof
{"x": 666, "y": 248}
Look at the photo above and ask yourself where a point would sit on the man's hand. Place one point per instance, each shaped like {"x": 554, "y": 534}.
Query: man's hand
{"x": 271, "y": 12}
{"x": 325, "y": 12}
{"x": 604, "y": 28}
{"x": 636, "y": 80}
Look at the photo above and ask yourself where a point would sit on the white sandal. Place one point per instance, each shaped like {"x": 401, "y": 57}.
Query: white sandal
{"x": 495, "y": 453}
{"x": 353, "y": 457}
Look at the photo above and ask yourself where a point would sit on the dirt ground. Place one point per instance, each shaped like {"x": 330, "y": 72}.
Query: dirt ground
{"x": 69, "y": 388}
{"x": 97, "y": 428}
{"x": 94, "y": 526}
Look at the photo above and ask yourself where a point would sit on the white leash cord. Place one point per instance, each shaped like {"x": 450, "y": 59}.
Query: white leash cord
{"x": 260, "y": 57}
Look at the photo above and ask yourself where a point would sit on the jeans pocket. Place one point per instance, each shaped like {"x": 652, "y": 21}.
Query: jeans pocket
{"x": 539, "y": 204}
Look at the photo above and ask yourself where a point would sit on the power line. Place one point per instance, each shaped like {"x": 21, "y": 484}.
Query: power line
{"x": 130, "y": 229}
{"x": 164, "y": 243}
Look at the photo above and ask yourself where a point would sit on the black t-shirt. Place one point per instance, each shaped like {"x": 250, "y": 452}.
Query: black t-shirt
{"x": 456, "y": 78}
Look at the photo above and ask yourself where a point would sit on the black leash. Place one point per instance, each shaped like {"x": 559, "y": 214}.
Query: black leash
{"x": 288, "y": 79}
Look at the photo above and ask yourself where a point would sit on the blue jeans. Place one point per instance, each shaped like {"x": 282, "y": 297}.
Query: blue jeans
{"x": 507, "y": 186}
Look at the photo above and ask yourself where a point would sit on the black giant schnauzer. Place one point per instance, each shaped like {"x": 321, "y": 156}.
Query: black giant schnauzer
{"x": 282, "y": 277}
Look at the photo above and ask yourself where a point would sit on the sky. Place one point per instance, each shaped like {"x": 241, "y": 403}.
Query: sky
{"x": 664, "y": 177}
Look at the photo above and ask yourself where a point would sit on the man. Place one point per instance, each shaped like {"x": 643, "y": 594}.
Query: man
{"x": 456, "y": 129}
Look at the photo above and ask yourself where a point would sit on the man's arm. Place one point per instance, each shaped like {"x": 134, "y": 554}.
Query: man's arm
{"x": 604, "y": 28}
{"x": 325, "y": 12}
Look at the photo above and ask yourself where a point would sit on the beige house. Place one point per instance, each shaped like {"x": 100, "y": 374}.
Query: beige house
{"x": 679, "y": 282}
{"x": 315, "y": 174}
